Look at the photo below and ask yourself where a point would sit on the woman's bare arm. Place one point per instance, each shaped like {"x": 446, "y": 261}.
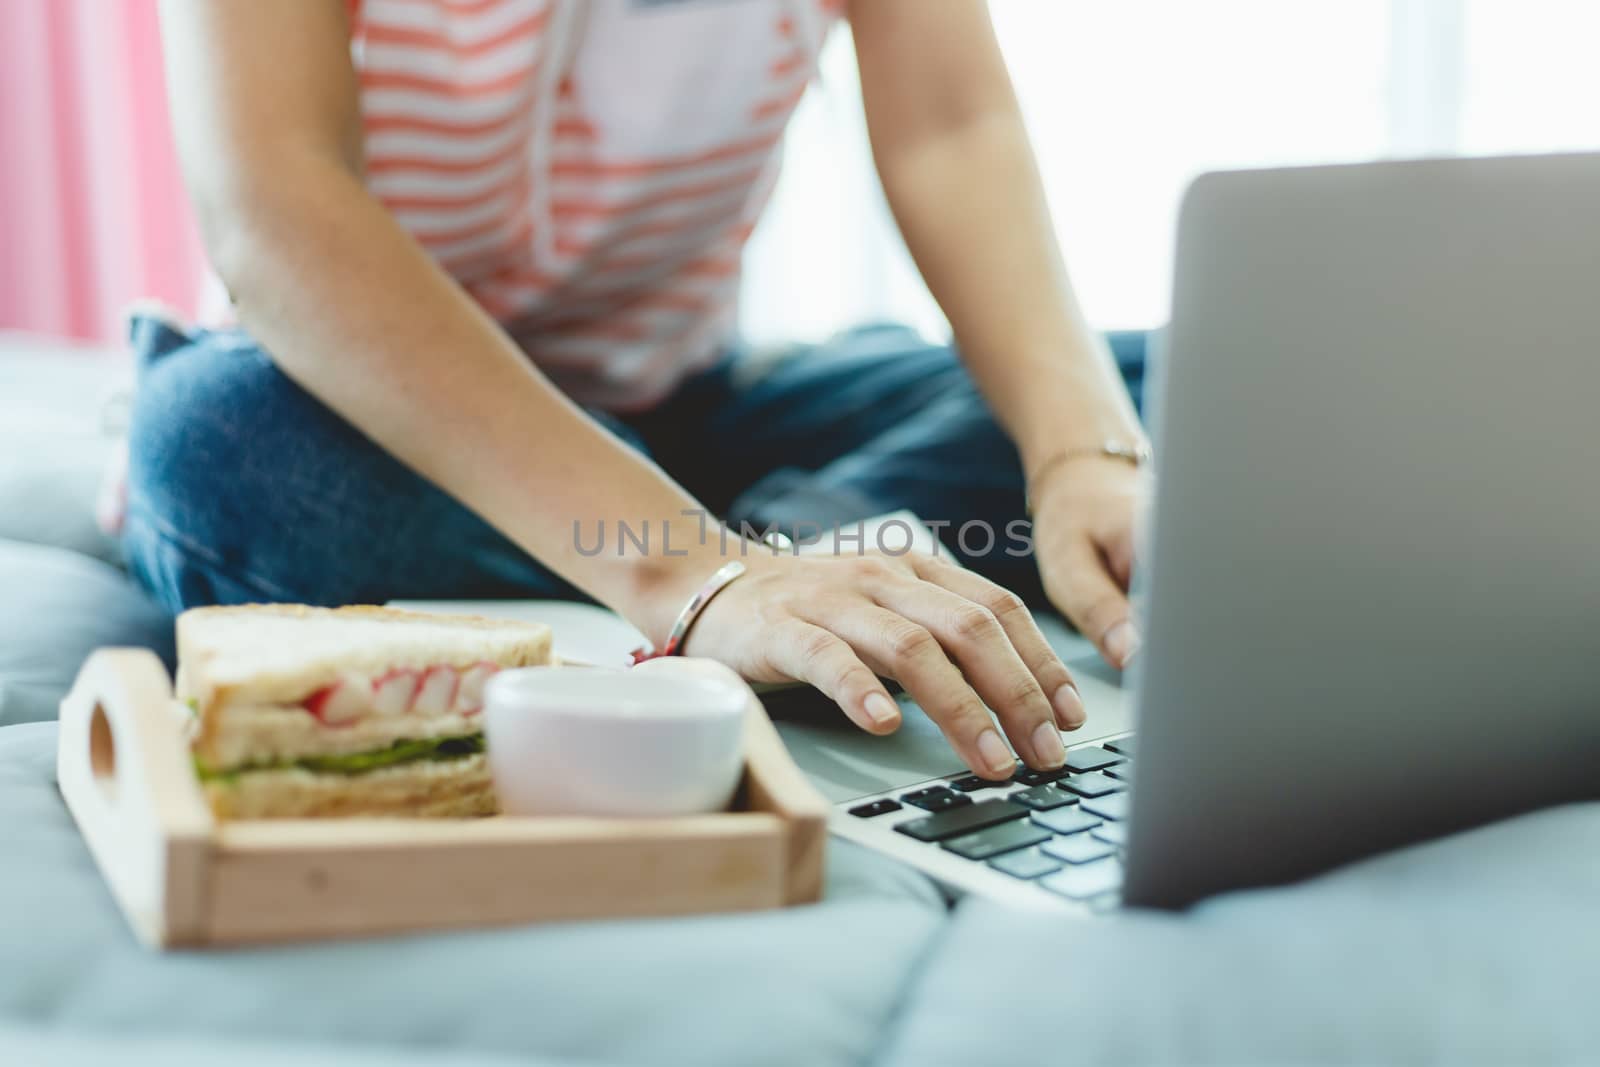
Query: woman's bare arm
{"x": 960, "y": 176}
{"x": 265, "y": 106}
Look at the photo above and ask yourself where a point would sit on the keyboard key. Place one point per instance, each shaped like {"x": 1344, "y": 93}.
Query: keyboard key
{"x": 1093, "y": 784}
{"x": 876, "y": 807}
{"x": 1026, "y": 776}
{"x": 1077, "y": 848}
{"x": 962, "y": 820}
{"x": 935, "y": 798}
{"x": 1029, "y": 863}
{"x": 1123, "y": 771}
{"x": 1065, "y": 821}
{"x": 1092, "y": 758}
{"x": 1114, "y": 806}
{"x": 1085, "y": 881}
{"x": 1122, "y": 746}
{"x": 972, "y": 783}
{"x": 1007, "y": 837}
{"x": 1112, "y": 833}
{"x": 1042, "y": 798}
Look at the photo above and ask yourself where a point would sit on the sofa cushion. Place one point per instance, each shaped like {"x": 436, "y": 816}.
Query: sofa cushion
{"x": 1482, "y": 948}
{"x": 56, "y": 607}
{"x": 35, "y": 1046}
{"x": 59, "y": 405}
{"x": 811, "y": 986}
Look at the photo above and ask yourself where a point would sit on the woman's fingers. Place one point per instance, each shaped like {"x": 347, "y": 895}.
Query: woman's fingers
{"x": 959, "y": 644}
{"x": 1020, "y": 627}
{"x": 1119, "y": 555}
{"x": 901, "y": 648}
{"x": 1095, "y": 603}
{"x": 972, "y": 636}
{"x": 811, "y": 654}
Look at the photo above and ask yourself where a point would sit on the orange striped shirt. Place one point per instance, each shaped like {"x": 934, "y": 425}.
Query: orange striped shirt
{"x": 589, "y": 170}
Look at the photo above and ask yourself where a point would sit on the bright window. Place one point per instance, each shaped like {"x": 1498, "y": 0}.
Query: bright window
{"x": 1128, "y": 101}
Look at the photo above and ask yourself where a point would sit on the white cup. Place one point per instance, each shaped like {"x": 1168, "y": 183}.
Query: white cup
{"x": 641, "y": 741}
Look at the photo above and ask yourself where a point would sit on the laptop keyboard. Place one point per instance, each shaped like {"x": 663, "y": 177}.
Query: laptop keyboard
{"x": 1061, "y": 830}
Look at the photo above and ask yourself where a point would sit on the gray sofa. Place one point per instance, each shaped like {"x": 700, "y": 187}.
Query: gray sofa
{"x": 1484, "y": 948}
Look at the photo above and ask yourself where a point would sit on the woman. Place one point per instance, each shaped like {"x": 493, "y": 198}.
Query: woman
{"x": 492, "y": 246}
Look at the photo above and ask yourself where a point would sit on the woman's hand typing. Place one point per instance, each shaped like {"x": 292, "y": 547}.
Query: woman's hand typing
{"x": 954, "y": 640}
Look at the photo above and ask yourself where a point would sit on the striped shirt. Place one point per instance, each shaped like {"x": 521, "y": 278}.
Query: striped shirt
{"x": 588, "y": 170}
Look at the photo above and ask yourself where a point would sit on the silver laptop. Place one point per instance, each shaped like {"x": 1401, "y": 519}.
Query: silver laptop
{"x": 1373, "y": 586}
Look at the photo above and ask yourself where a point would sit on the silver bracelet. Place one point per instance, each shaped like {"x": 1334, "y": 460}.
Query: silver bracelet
{"x": 725, "y": 576}
{"x": 1137, "y": 453}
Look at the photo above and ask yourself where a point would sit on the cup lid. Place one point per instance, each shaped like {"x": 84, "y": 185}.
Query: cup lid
{"x": 614, "y": 692}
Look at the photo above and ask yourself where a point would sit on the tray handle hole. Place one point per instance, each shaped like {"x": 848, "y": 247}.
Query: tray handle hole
{"x": 103, "y": 752}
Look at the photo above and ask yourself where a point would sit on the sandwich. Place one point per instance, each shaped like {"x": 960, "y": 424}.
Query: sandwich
{"x": 302, "y": 712}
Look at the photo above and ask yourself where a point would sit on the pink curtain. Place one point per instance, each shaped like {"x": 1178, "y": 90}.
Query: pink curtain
{"x": 92, "y": 210}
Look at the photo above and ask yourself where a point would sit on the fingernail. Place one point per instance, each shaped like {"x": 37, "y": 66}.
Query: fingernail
{"x": 880, "y": 709}
{"x": 1122, "y": 642}
{"x": 994, "y": 753}
{"x": 1069, "y": 707}
{"x": 1047, "y": 747}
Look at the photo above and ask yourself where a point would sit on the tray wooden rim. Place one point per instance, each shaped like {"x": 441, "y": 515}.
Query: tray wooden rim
{"x": 125, "y": 773}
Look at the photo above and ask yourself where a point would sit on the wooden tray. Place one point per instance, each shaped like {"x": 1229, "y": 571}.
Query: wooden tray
{"x": 184, "y": 878}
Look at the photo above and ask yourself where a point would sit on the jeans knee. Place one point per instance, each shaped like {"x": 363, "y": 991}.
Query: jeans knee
{"x": 182, "y": 574}
{"x": 207, "y": 420}
{"x": 193, "y": 414}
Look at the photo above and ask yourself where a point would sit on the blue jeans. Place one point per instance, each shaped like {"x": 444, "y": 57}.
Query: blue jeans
{"x": 243, "y": 487}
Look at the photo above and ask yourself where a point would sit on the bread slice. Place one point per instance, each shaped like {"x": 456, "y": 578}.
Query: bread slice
{"x": 453, "y": 788}
{"x": 278, "y": 654}
{"x": 266, "y": 681}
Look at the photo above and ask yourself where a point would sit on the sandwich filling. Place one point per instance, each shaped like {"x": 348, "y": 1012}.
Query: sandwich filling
{"x": 443, "y": 748}
{"x": 357, "y": 724}
{"x": 435, "y": 691}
